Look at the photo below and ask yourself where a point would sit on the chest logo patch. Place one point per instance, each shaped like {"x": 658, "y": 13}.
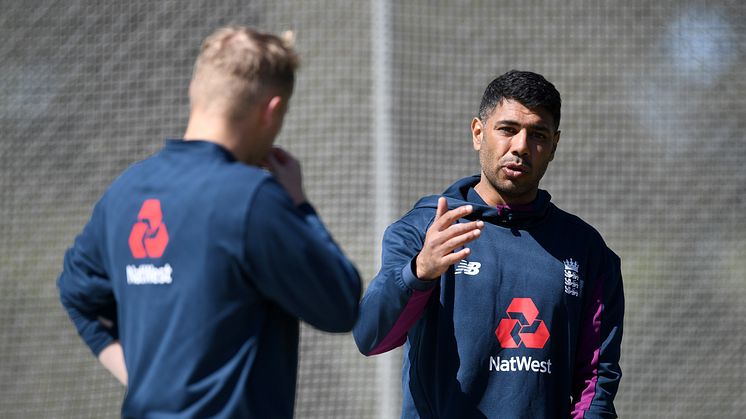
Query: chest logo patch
{"x": 149, "y": 236}
{"x": 468, "y": 268}
{"x": 572, "y": 278}
{"x": 522, "y": 327}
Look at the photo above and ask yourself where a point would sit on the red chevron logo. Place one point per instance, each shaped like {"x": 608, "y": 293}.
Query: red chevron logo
{"x": 522, "y": 327}
{"x": 149, "y": 236}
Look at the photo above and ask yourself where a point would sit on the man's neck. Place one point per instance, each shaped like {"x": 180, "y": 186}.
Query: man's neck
{"x": 218, "y": 130}
{"x": 493, "y": 198}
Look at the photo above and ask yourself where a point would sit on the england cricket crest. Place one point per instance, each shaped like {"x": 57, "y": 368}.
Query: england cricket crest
{"x": 573, "y": 285}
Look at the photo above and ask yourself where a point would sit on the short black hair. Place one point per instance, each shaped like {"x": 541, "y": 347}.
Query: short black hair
{"x": 529, "y": 89}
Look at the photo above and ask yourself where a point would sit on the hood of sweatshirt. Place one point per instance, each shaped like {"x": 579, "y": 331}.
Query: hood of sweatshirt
{"x": 462, "y": 193}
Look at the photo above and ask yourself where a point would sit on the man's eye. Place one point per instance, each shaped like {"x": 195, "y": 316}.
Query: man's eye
{"x": 506, "y": 130}
{"x": 539, "y": 136}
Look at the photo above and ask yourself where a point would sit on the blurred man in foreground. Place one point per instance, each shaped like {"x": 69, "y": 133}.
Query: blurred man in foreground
{"x": 190, "y": 277}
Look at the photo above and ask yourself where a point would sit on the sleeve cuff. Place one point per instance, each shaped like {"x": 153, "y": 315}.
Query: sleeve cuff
{"x": 411, "y": 280}
{"x": 98, "y": 344}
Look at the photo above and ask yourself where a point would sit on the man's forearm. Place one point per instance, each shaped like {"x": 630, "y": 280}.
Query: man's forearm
{"x": 112, "y": 358}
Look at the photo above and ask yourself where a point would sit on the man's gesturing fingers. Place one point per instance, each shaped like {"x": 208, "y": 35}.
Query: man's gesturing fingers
{"x": 442, "y": 208}
{"x": 443, "y": 237}
{"x": 446, "y": 219}
{"x": 461, "y": 234}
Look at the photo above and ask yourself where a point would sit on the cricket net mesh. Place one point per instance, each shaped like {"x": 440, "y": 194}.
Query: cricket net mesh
{"x": 651, "y": 154}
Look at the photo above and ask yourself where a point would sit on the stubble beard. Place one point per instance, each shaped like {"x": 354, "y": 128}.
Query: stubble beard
{"x": 507, "y": 188}
{"x": 510, "y": 190}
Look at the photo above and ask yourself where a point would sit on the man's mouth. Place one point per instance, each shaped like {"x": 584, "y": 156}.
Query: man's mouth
{"x": 515, "y": 169}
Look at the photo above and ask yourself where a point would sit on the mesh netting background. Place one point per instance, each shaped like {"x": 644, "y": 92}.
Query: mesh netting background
{"x": 652, "y": 154}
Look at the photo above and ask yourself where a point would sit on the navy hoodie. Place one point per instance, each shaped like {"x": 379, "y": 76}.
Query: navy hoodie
{"x": 204, "y": 266}
{"x": 528, "y": 326}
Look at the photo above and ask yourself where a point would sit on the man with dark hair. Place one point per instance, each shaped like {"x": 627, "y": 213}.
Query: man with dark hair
{"x": 526, "y": 322}
{"x": 190, "y": 277}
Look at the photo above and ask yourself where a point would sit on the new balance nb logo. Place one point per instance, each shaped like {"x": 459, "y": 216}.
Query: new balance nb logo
{"x": 468, "y": 268}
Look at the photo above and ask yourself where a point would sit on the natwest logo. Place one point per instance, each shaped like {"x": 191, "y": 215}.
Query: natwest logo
{"x": 149, "y": 236}
{"x": 522, "y": 327}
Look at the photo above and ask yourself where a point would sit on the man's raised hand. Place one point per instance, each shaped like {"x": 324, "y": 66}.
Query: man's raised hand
{"x": 443, "y": 237}
{"x": 287, "y": 171}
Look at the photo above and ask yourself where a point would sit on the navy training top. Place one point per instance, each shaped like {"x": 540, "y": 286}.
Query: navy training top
{"x": 528, "y": 326}
{"x": 204, "y": 266}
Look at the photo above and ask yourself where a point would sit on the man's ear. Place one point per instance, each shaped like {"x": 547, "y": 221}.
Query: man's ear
{"x": 272, "y": 110}
{"x": 554, "y": 145}
{"x": 477, "y": 133}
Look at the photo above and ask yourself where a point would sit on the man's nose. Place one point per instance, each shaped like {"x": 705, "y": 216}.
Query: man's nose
{"x": 519, "y": 143}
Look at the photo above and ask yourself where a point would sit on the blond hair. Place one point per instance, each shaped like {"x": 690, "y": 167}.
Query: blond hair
{"x": 237, "y": 64}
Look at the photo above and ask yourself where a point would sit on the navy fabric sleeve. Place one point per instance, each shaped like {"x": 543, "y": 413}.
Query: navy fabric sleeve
{"x": 294, "y": 262}
{"x": 597, "y": 372}
{"x": 85, "y": 289}
{"x": 396, "y": 298}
